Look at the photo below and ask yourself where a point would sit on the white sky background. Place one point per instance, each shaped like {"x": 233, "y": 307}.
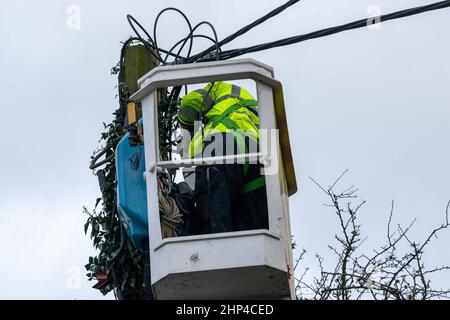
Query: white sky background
{"x": 374, "y": 101}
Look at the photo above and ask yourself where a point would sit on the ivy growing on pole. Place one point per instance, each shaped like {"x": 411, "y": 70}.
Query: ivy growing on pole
{"x": 118, "y": 265}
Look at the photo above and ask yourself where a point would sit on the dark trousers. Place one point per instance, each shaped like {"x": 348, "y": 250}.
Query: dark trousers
{"x": 220, "y": 202}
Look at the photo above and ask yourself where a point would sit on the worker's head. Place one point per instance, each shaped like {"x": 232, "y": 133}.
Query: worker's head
{"x": 192, "y": 103}
{"x": 190, "y": 108}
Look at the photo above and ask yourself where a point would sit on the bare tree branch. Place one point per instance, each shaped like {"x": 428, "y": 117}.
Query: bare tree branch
{"x": 384, "y": 274}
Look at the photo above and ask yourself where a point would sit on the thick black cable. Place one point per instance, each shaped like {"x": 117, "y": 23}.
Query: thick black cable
{"x": 216, "y": 39}
{"x": 177, "y": 58}
{"x": 132, "y": 20}
{"x": 333, "y": 30}
{"x": 156, "y": 24}
{"x": 150, "y": 45}
{"x": 191, "y": 35}
{"x": 245, "y": 29}
{"x": 283, "y": 42}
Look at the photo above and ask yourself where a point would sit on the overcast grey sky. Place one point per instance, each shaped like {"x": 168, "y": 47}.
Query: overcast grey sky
{"x": 374, "y": 101}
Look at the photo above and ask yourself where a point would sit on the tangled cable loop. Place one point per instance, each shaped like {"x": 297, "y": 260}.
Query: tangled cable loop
{"x": 151, "y": 43}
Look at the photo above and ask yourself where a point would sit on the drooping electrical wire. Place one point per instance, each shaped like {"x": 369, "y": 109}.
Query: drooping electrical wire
{"x": 333, "y": 30}
{"x": 149, "y": 44}
{"x": 205, "y": 55}
{"x": 191, "y": 35}
{"x": 152, "y": 44}
{"x": 245, "y": 29}
{"x": 177, "y": 58}
{"x": 187, "y": 21}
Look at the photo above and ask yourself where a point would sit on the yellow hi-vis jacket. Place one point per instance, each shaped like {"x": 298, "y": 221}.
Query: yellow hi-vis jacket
{"x": 223, "y": 108}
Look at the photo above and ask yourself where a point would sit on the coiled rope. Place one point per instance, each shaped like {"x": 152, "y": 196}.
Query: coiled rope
{"x": 169, "y": 214}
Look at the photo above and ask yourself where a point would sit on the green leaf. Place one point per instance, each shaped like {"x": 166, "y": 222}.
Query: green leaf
{"x": 97, "y": 202}
{"x": 86, "y": 226}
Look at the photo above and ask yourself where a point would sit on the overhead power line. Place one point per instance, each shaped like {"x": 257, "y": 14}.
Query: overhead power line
{"x": 333, "y": 30}
{"x": 215, "y": 52}
{"x": 247, "y": 28}
{"x": 207, "y": 55}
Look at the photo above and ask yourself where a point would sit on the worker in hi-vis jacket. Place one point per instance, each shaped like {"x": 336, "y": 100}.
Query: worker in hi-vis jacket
{"x": 229, "y": 196}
